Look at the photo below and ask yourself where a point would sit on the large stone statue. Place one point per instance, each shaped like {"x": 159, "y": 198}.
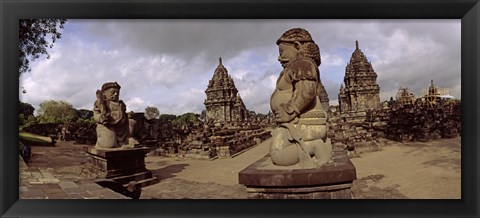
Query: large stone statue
{"x": 112, "y": 120}
{"x": 301, "y": 136}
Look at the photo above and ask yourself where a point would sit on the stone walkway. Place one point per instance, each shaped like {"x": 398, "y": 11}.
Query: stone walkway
{"x": 411, "y": 170}
{"x": 40, "y": 183}
{"x": 54, "y": 174}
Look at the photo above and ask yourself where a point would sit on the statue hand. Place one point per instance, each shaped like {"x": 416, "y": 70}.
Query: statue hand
{"x": 281, "y": 116}
{"x": 104, "y": 119}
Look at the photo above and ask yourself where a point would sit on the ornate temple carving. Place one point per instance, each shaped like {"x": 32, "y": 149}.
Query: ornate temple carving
{"x": 360, "y": 90}
{"x": 223, "y": 103}
{"x": 405, "y": 97}
{"x": 322, "y": 94}
{"x": 435, "y": 94}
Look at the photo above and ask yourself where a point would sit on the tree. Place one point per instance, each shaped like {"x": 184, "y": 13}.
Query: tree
{"x": 33, "y": 43}
{"x": 26, "y": 109}
{"x": 152, "y": 113}
{"x": 84, "y": 114}
{"x": 51, "y": 111}
{"x": 187, "y": 118}
{"x": 167, "y": 117}
{"x": 25, "y": 113}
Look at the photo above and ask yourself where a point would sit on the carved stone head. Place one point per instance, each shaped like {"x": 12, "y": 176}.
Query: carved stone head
{"x": 111, "y": 91}
{"x": 300, "y": 41}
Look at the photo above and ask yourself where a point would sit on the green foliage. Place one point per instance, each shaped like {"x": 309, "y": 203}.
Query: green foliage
{"x": 84, "y": 114}
{"x": 151, "y": 113}
{"x": 85, "y": 121}
{"x": 25, "y": 114}
{"x": 26, "y": 109}
{"x": 167, "y": 117}
{"x": 187, "y": 118}
{"x": 51, "y": 111}
{"x": 30, "y": 138}
{"x": 32, "y": 42}
{"x": 24, "y": 122}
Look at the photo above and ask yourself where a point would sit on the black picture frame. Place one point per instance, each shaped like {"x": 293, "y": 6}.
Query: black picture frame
{"x": 466, "y": 10}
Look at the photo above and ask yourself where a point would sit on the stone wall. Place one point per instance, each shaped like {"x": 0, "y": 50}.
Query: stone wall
{"x": 365, "y": 131}
{"x": 80, "y": 133}
{"x": 213, "y": 142}
{"x": 240, "y": 141}
{"x": 46, "y": 129}
{"x": 350, "y": 131}
{"x": 421, "y": 122}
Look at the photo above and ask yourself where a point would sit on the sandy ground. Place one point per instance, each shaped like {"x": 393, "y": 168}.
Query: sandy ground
{"x": 221, "y": 171}
{"x": 418, "y": 170}
{"x": 430, "y": 170}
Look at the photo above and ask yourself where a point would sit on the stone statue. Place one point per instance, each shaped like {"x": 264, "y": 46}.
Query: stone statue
{"x": 301, "y": 136}
{"x": 112, "y": 121}
{"x": 132, "y": 123}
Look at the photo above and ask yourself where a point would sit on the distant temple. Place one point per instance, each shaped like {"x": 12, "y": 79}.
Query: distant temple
{"x": 434, "y": 94}
{"x": 405, "y": 97}
{"x": 361, "y": 91}
{"x": 223, "y": 103}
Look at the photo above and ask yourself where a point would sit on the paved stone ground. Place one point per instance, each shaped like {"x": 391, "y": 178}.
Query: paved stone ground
{"x": 398, "y": 171}
{"x": 56, "y": 173}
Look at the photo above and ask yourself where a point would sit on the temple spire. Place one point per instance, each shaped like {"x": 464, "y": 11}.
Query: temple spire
{"x": 356, "y": 44}
{"x": 220, "y": 61}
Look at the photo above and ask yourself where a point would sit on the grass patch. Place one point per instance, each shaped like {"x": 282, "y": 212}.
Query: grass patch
{"x": 33, "y": 139}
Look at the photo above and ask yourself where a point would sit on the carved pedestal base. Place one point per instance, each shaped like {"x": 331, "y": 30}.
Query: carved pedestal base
{"x": 263, "y": 180}
{"x": 122, "y": 166}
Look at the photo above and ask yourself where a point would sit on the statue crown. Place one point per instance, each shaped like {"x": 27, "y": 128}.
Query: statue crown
{"x": 295, "y": 34}
{"x": 108, "y": 85}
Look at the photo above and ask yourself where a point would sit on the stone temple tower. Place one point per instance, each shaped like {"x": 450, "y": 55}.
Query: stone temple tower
{"x": 223, "y": 103}
{"x": 361, "y": 91}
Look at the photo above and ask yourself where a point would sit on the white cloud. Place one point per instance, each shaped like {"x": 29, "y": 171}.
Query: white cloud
{"x": 332, "y": 60}
{"x": 137, "y": 104}
{"x": 191, "y": 101}
{"x": 333, "y": 102}
{"x": 167, "y": 63}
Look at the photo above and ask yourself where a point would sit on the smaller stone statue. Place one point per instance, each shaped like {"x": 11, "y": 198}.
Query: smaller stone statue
{"x": 112, "y": 121}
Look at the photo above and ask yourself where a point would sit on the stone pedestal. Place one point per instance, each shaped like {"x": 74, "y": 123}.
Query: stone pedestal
{"x": 119, "y": 165}
{"x": 263, "y": 180}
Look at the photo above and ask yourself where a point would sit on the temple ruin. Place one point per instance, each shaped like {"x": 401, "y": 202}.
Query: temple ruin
{"x": 435, "y": 94}
{"x": 228, "y": 129}
{"x": 361, "y": 91}
{"x": 405, "y": 97}
{"x": 360, "y": 121}
{"x": 432, "y": 116}
{"x": 223, "y": 102}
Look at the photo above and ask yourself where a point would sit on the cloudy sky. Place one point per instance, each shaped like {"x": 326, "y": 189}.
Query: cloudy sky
{"x": 167, "y": 63}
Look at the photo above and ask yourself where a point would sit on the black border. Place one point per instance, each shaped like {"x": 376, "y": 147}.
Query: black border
{"x": 467, "y": 10}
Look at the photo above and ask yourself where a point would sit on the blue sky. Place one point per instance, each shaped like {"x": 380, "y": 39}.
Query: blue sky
{"x": 167, "y": 63}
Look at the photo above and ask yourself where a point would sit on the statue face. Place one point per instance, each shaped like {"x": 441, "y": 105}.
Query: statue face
{"x": 288, "y": 53}
{"x": 112, "y": 94}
